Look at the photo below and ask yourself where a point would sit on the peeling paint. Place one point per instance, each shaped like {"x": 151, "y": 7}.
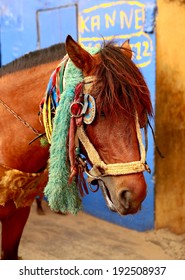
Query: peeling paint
{"x": 150, "y": 17}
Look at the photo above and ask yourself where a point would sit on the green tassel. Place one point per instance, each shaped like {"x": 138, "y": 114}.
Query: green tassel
{"x": 61, "y": 195}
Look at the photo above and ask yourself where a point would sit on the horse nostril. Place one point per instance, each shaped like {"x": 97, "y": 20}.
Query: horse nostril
{"x": 124, "y": 198}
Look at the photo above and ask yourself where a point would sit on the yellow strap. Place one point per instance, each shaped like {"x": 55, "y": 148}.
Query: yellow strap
{"x": 47, "y": 119}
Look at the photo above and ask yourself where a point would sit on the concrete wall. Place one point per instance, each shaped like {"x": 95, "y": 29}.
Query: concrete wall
{"x": 170, "y": 116}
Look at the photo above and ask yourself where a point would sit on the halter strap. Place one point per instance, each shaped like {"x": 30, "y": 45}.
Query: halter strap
{"x": 101, "y": 169}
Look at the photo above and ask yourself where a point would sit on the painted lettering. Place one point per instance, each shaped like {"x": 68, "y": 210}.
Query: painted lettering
{"x": 119, "y": 20}
{"x": 83, "y": 24}
{"x": 146, "y": 51}
{"x": 95, "y": 23}
{"x": 110, "y": 20}
{"x": 125, "y": 19}
{"x": 138, "y": 47}
{"x": 139, "y": 18}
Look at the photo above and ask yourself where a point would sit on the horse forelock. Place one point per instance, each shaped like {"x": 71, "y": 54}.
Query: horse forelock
{"x": 120, "y": 85}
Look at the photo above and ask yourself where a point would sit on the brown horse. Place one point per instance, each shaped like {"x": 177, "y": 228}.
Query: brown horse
{"x": 22, "y": 84}
{"x": 116, "y": 153}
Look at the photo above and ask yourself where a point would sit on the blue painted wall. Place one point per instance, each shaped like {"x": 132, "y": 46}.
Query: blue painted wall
{"x": 18, "y": 25}
{"x": 123, "y": 20}
{"x": 120, "y": 20}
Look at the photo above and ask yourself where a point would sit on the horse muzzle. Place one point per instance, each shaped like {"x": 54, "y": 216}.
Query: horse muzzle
{"x": 123, "y": 201}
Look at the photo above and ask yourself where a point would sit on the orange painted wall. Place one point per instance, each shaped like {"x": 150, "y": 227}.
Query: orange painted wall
{"x": 170, "y": 116}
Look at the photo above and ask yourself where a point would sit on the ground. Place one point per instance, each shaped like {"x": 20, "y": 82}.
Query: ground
{"x": 84, "y": 237}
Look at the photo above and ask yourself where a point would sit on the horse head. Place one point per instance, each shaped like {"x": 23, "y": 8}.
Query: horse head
{"x": 122, "y": 104}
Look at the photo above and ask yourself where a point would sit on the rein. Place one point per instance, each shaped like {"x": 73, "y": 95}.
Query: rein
{"x": 19, "y": 118}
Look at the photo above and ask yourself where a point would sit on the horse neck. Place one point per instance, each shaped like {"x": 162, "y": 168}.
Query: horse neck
{"x": 26, "y": 84}
{"x": 22, "y": 92}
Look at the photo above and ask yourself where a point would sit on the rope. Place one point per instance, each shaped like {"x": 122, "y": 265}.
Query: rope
{"x": 101, "y": 169}
{"x": 11, "y": 111}
{"x": 92, "y": 153}
{"x": 46, "y": 117}
{"x": 48, "y": 106}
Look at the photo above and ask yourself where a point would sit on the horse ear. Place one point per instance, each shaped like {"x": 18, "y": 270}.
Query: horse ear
{"x": 80, "y": 57}
{"x": 126, "y": 48}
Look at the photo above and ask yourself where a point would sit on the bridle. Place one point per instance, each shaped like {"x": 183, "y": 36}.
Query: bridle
{"x": 99, "y": 168}
{"x": 77, "y": 135}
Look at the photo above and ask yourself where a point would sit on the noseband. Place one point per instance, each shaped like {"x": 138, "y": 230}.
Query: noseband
{"x": 99, "y": 167}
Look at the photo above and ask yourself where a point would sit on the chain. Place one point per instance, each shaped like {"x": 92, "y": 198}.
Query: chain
{"x": 19, "y": 117}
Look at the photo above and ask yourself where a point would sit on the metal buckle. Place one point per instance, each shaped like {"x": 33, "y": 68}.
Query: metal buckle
{"x": 76, "y": 103}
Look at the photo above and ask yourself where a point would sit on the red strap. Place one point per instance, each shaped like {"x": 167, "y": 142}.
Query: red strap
{"x": 72, "y": 131}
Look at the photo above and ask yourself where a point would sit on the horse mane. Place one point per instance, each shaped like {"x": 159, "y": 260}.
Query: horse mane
{"x": 34, "y": 58}
{"x": 121, "y": 84}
